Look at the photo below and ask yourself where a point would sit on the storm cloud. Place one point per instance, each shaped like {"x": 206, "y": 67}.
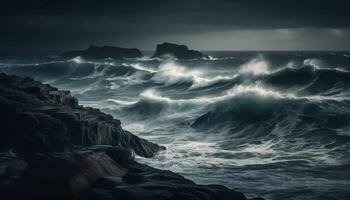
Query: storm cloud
{"x": 232, "y": 25}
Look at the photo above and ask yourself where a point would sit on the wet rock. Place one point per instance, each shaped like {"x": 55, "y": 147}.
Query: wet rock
{"x": 123, "y": 156}
{"x": 56, "y": 149}
{"x": 58, "y": 175}
{"x": 28, "y": 132}
{"x": 95, "y": 173}
{"x": 38, "y": 118}
{"x": 144, "y": 182}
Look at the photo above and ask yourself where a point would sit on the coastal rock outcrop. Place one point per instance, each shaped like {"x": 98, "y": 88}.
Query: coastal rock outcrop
{"x": 95, "y": 52}
{"x": 39, "y": 118}
{"x": 177, "y": 51}
{"x": 53, "y": 148}
{"x": 97, "y": 173}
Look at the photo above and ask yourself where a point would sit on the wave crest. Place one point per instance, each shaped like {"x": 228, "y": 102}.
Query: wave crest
{"x": 256, "y": 66}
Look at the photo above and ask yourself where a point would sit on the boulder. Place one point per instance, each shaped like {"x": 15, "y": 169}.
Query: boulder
{"x": 142, "y": 182}
{"x": 57, "y": 175}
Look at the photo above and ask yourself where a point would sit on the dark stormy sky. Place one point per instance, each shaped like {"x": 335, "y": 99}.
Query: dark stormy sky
{"x": 201, "y": 24}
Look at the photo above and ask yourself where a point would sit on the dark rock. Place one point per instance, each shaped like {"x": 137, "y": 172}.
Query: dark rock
{"x": 123, "y": 156}
{"x": 144, "y": 182}
{"x": 11, "y": 169}
{"x": 37, "y": 118}
{"x": 177, "y": 51}
{"x": 28, "y": 132}
{"x": 58, "y": 175}
{"x": 95, "y": 52}
{"x": 56, "y": 149}
{"x": 95, "y": 173}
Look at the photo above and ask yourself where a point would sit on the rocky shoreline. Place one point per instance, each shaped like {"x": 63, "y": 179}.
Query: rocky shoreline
{"x": 54, "y": 148}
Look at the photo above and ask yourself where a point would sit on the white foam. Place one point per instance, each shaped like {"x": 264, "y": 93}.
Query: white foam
{"x": 153, "y": 95}
{"x": 77, "y": 60}
{"x": 171, "y": 73}
{"x": 240, "y": 90}
{"x": 215, "y": 58}
{"x": 210, "y": 58}
{"x": 203, "y": 82}
{"x": 235, "y": 91}
{"x": 139, "y": 66}
{"x": 95, "y": 74}
{"x": 114, "y": 86}
{"x": 147, "y": 58}
{"x": 121, "y": 102}
{"x": 257, "y": 90}
{"x": 133, "y": 79}
{"x": 316, "y": 63}
{"x": 256, "y": 66}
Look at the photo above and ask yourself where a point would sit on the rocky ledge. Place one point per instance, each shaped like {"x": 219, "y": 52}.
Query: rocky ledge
{"x": 95, "y": 52}
{"x": 177, "y": 51}
{"x": 53, "y": 148}
{"x": 39, "y": 118}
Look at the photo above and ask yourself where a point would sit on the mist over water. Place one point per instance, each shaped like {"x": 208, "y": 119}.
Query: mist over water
{"x": 270, "y": 124}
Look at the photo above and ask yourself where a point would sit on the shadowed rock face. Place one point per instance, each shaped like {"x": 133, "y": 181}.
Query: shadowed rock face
{"x": 59, "y": 175}
{"x": 39, "y": 118}
{"x": 177, "y": 51}
{"x": 95, "y": 52}
{"x": 98, "y": 172}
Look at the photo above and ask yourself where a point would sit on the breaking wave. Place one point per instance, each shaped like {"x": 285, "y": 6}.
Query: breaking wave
{"x": 256, "y": 118}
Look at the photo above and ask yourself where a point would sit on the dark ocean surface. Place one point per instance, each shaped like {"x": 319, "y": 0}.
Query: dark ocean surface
{"x": 270, "y": 124}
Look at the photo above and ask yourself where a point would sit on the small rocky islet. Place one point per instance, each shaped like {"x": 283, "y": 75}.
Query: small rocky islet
{"x": 163, "y": 51}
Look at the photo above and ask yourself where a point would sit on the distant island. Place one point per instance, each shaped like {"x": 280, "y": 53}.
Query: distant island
{"x": 164, "y": 50}
{"x": 95, "y": 52}
{"x": 177, "y": 51}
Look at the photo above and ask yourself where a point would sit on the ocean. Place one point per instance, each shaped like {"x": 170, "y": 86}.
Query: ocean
{"x": 269, "y": 124}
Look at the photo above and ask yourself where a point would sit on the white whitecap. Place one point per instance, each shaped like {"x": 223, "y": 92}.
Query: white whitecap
{"x": 256, "y": 66}
{"x": 171, "y": 73}
{"x": 316, "y": 63}
{"x": 77, "y": 60}
{"x": 139, "y": 66}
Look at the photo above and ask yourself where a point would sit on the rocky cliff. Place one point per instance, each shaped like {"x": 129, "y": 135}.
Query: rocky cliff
{"x": 39, "y": 118}
{"x": 53, "y": 148}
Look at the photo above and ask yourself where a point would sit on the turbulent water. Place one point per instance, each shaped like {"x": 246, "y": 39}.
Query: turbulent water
{"x": 270, "y": 124}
